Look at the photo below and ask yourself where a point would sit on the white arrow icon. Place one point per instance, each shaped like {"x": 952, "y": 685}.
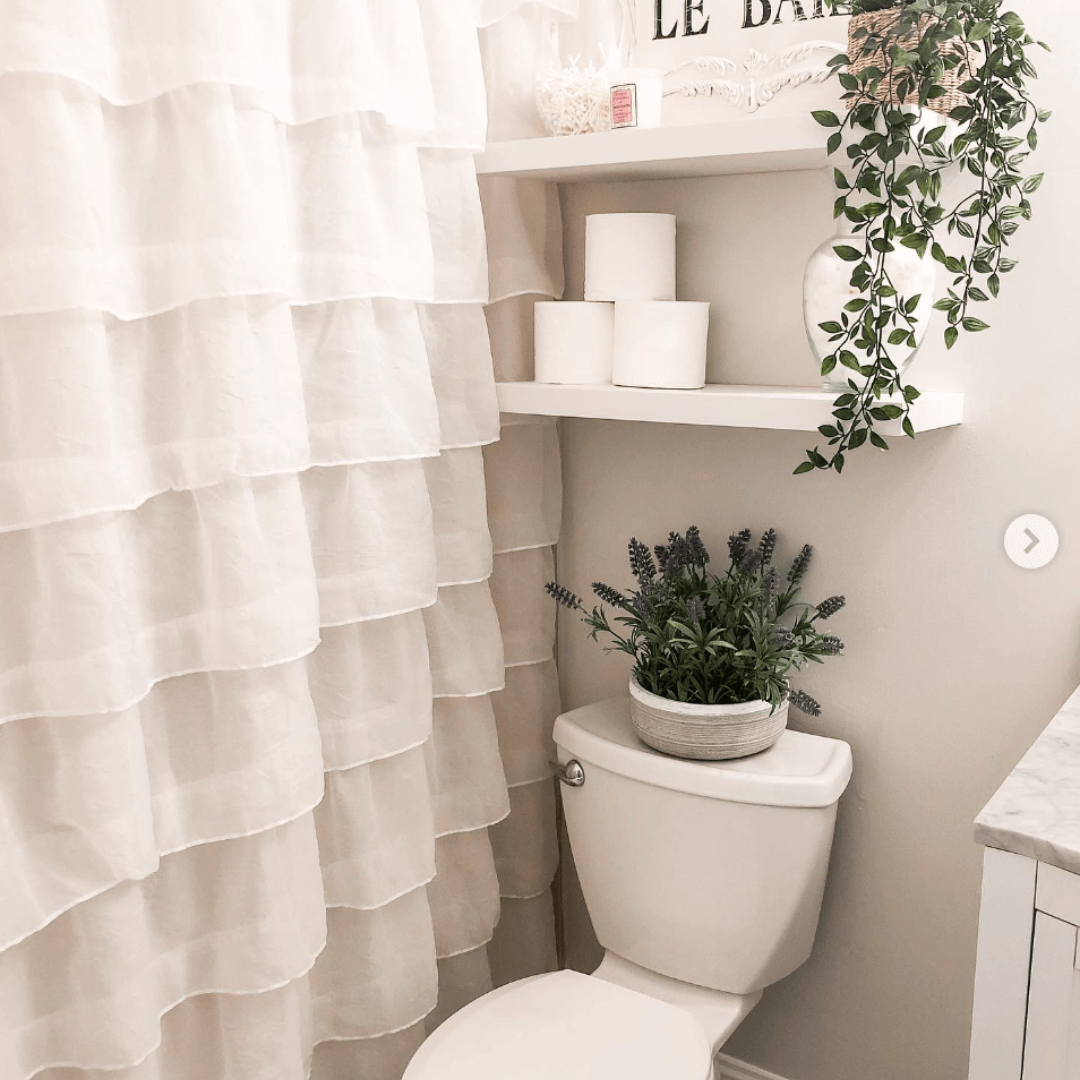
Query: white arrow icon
{"x": 1031, "y": 541}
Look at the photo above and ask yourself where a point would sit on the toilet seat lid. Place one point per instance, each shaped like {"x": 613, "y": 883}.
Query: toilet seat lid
{"x": 566, "y": 1026}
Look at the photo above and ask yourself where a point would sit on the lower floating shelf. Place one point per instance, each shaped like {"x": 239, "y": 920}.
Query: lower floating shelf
{"x": 774, "y": 408}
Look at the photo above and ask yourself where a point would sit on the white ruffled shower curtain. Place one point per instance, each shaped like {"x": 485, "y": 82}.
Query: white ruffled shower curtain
{"x": 275, "y": 671}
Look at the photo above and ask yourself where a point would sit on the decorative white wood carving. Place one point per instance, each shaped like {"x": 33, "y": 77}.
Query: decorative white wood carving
{"x": 762, "y": 78}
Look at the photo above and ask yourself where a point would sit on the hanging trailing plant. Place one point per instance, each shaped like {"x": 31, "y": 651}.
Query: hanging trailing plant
{"x": 906, "y": 56}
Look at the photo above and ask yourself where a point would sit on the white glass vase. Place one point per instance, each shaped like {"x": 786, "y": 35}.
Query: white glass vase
{"x": 827, "y": 288}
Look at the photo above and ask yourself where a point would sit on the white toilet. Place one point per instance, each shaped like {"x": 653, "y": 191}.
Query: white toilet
{"x": 704, "y": 883}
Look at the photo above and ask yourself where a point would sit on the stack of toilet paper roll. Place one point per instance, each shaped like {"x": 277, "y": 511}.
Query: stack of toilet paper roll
{"x": 630, "y": 329}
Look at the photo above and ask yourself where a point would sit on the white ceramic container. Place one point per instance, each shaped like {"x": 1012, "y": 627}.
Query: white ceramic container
{"x": 705, "y": 732}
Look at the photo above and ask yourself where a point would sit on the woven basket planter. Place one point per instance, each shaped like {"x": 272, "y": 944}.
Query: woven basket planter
{"x": 705, "y": 732}
{"x": 883, "y": 23}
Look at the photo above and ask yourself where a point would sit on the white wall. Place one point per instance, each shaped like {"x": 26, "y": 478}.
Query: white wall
{"x": 956, "y": 658}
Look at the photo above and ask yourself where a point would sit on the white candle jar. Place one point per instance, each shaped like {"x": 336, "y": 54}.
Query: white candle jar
{"x": 637, "y": 98}
{"x": 827, "y": 289}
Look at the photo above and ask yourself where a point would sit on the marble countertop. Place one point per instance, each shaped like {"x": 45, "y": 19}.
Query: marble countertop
{"x": 1036, "y": 812}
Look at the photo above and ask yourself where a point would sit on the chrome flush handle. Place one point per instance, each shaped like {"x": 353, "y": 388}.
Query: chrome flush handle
{"x": 571, "y": 774}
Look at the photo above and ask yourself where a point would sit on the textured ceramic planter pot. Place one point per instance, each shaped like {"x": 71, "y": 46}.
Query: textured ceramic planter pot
{"x": 705, "y": 732}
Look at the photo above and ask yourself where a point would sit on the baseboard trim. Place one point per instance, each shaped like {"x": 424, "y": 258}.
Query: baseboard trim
{"x": 728, "y": 1068}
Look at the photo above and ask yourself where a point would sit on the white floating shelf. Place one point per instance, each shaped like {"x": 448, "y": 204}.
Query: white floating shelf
{"x": 772, "y": 144}
{"x": 774, "y": 408}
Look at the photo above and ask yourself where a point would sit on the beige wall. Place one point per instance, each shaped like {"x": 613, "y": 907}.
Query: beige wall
{"x": 956, "y": 658}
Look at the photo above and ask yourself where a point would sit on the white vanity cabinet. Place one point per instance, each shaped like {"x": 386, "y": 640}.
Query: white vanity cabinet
{"x": 1026, "y": 1020}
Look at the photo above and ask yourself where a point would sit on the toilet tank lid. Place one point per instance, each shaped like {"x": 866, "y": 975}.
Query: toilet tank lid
{"x": 800, "y": 770}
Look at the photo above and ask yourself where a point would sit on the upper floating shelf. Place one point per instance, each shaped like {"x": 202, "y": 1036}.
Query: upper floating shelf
{"x": 757, "y": 145}
{"x": 776, "y": 408}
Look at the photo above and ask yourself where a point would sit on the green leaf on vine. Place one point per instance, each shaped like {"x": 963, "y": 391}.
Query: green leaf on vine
{"x": 848, "y": 253}
{"x": 826, "y": 118}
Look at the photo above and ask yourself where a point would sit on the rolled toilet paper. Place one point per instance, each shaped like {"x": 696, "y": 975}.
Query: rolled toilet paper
{"x": 630, "y": 257}
{"x": 574, "y": 341}
{"x": 661, "y": 344}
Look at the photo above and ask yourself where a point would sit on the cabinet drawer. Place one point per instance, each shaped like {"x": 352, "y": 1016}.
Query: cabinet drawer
{"x": 1057, "y": 892}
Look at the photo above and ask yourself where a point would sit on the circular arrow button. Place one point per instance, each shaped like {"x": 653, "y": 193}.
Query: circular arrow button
{"x": 1031, "y": 541}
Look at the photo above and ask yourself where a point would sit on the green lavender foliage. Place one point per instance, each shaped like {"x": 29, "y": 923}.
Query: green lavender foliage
{"x": 893, "y": 203}
{"x": 713, "y": 638}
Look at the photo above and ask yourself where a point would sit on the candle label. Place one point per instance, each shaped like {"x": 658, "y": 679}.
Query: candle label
{"x": 624, "y": 105}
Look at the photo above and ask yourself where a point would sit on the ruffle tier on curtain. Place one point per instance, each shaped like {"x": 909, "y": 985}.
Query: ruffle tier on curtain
{"x": 267, "y": 759}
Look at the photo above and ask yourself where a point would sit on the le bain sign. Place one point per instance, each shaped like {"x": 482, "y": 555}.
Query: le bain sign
{"x": 691, "y": 19}
{"x": 725, "y": 59}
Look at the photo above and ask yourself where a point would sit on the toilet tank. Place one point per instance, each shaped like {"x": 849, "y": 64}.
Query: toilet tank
{"x": 707, "y": 872}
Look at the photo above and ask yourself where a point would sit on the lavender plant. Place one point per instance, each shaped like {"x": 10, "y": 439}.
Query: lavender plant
{"x": 713, "y": 638}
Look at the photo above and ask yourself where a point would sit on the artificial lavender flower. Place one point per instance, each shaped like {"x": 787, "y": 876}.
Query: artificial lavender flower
{"x": 750, "y": 563}
{"x": 678, "y": 554}
{"x": 800, "y": 564}
{"x": 698, "y": 552}
{"x": 660, "y": 551}
{"x": 666, "y": 557}
{"x": 783, "y": 637}
{"x": 767, "y": 546}
{"x": 695, "y": 610}
{"x": 561, "y": 595}
{"x": 642, "y": 605}
{"x": 771, "y": 582}
{"x": 828, "y": 608}
{"x": 831, "y": 646}
{"x": 804, "y": 703}
{"x": 641, "y": 561}
{"x": 737, "y": 544}
{"x": 608, "y": 595}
